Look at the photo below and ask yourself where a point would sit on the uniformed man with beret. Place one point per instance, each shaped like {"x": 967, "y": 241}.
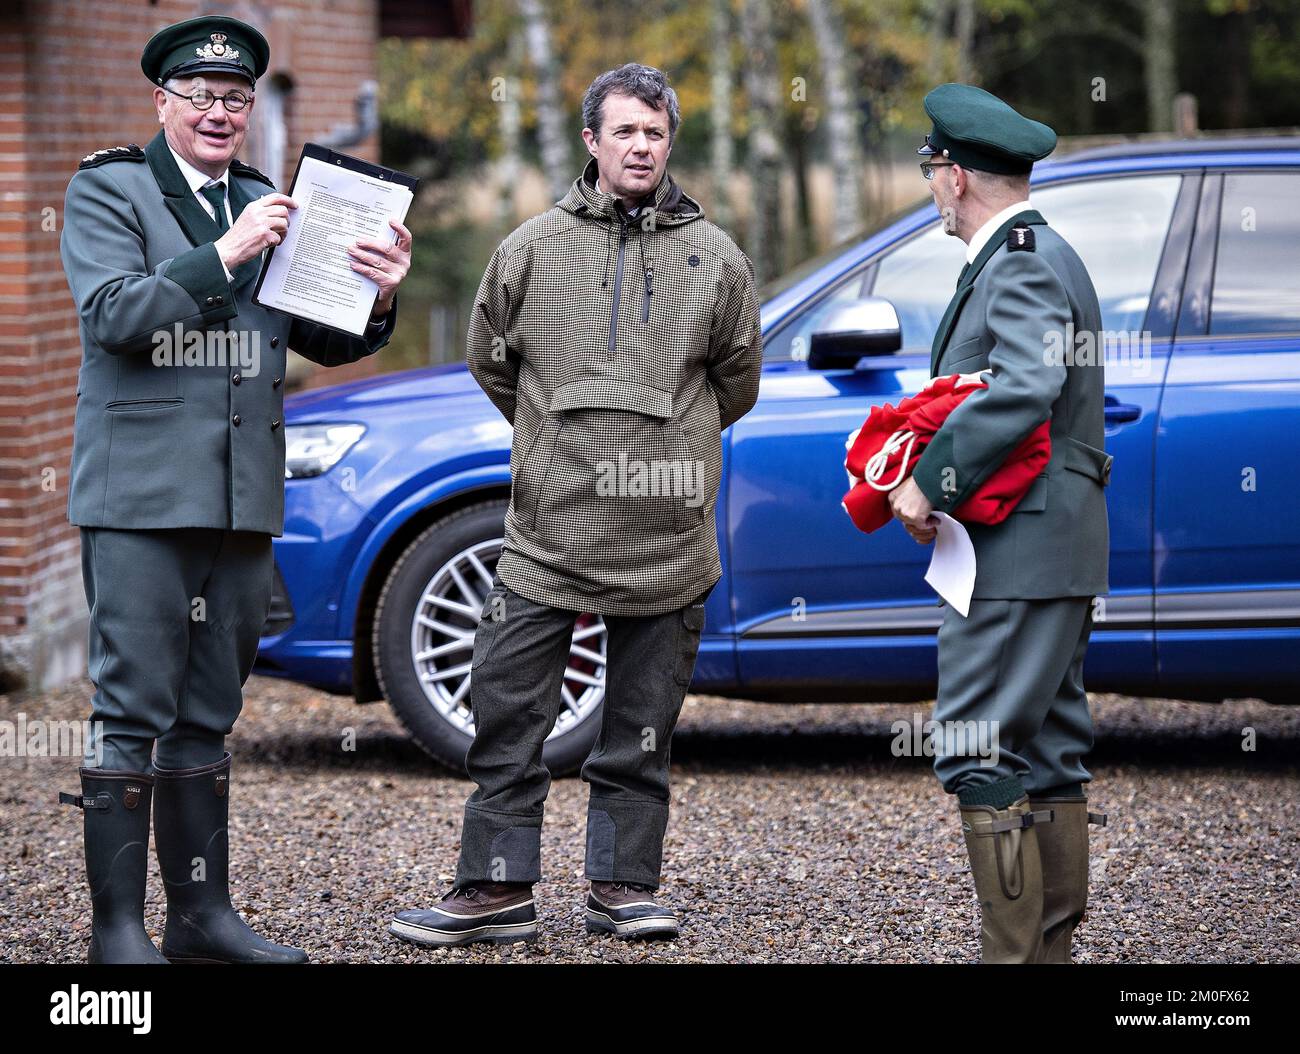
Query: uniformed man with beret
{"x": 1013, "y": 667}
{"x": 178, "y": 479}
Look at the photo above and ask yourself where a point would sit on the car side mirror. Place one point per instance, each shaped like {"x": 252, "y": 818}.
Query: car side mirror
{"x": 868, "y": 326}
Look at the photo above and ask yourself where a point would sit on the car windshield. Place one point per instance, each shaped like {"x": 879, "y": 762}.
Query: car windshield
{"x": 780, "y": 284}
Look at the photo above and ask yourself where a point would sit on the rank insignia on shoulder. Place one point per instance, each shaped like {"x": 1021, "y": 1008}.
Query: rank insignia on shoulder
{"x": 241, "y": 169}
{"x": 1020, "y": 239}
{"x": 112, "y": 153}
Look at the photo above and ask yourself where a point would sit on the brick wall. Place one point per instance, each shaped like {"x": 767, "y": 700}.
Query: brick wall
{"x": 70, "y": 82}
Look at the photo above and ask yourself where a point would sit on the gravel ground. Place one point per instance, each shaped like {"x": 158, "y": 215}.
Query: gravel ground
{"x": 796, "y": 836}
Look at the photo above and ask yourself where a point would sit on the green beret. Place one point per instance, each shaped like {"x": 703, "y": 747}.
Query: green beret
{"x": 978, "y": 130}
{"x": 211, "y": 44}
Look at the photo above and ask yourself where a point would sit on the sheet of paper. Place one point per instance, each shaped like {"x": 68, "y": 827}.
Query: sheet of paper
{"x": 952, "y": 564}
{"x": 309, "y": 272}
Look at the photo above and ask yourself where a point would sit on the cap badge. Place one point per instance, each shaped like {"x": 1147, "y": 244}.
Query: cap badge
{"x": 217, "y": 49}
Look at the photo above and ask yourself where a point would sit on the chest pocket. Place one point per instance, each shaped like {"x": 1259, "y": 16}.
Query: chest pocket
{"x": 965, "y": 357}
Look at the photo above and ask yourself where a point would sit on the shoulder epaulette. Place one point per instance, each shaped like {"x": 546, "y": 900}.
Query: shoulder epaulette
{"x": 1020, "y": 239}
{"x": 241, "y": 169}
{"x": 112, "y": 153}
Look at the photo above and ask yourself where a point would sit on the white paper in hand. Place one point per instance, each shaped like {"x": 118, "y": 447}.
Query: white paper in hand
{"x": 310, "y": 273}
{"x": 952, "y": 565}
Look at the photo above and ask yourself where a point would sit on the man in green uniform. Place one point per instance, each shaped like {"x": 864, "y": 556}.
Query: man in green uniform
{"x": 1012, "y": 668}
{"x": 178, "y": 479}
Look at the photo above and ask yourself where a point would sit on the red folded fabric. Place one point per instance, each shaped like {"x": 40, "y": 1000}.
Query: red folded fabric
{"x": 883, "y": 452}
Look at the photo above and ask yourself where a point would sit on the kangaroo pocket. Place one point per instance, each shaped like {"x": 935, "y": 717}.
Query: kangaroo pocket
{"x": 610, "y": 464}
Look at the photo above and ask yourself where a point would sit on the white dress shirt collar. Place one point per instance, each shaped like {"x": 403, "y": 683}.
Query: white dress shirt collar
{"x": 196, "y": 179}
{"x": 981, "y": 236}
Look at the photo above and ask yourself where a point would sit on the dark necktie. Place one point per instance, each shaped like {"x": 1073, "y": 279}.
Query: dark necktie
{"x": 941, "y": 333}
{"x": 216, "y": 194}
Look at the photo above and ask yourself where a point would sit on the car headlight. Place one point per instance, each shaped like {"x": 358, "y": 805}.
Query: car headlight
{"x": 310, "y": 450}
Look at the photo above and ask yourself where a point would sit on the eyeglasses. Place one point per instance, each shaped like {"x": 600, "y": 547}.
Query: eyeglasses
{"x": 202, "y": 99}
{"x": 928, "y": 167}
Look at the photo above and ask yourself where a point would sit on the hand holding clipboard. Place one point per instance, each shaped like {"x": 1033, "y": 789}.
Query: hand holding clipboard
{"x": 340, "y": 200}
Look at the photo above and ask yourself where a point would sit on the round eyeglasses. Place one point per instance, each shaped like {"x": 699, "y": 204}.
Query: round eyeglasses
{"x": 202, "y": 99}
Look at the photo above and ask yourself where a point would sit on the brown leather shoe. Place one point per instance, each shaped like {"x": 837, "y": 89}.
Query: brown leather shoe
{"x": 628, "y": 910}
{"x": 497, "y": 912}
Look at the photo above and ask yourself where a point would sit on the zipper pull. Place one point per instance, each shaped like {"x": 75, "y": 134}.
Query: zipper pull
{"x": 649, "y": 292}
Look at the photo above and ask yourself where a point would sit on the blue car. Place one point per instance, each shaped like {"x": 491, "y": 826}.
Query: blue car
{"x": 397, "y": 485}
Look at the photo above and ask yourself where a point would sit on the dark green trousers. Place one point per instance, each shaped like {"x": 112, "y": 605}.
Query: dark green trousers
{"x": 1011, "y": 678}
{"x": 518, "y": 669}
{"x": 175, "y": 619}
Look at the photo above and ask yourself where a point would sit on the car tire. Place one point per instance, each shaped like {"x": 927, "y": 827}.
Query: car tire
{"x": 439, "y": 727}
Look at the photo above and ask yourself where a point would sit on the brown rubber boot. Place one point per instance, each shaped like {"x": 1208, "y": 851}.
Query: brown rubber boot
{"x": 1063, "y": 851}
{"x": 1003, "y": 848}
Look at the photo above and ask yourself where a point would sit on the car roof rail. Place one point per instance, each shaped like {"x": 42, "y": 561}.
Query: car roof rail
{"x": 1089, "y": 150}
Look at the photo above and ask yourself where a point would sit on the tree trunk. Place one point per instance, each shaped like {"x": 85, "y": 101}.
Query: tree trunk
{"x": 797, "y": 139}
{"x": 841, "y": 118}
{"x": 764, "y": 91}
{"x": 720, "y": 75}
{"x": 551, "y": 133}
{"x": 1160, "y": 63}
{"x": 509, "y": 164}
{"x": 965, "y": 33}
{"x": 940, "y": 11}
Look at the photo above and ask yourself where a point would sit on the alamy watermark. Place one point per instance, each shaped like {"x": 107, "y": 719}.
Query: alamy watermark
{"x": 38, "y": 738}
{"x": 212, "y": 347}
{"x": 668, "y": 478}
{"x": 93, "y": 1007}
{"x": 929, "y": 738}
{"x": 1087, "y": 347}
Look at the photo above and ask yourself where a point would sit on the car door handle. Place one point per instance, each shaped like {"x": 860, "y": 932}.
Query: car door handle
{"x": 1119, "y": 413}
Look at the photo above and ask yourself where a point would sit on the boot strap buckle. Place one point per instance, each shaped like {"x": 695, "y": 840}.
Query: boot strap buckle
{"x": 1098, "y": 818}
{"x": 1018, "y": 823}
{"x": 84, "y": 801}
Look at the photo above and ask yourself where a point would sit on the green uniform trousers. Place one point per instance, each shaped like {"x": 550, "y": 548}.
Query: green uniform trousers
{"x": 175, "y": 619}
{"x": 1011, "y": 700}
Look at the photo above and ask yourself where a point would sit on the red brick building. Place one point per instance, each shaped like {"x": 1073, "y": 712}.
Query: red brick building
{"x": 71, "y": 83}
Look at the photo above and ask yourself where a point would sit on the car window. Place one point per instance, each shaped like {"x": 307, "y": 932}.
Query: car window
{"x": 1116, "y": 225}
{"x": 919, "y": 278}
{"x": 1257, "y": 269}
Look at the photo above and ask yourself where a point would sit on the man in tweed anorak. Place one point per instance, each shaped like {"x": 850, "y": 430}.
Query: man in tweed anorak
{"x": 618, "y": 332}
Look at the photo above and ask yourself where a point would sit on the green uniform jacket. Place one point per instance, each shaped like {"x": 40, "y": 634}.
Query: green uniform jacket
{"x": 191, "y": 440}
{"x": 1012, "y": 313}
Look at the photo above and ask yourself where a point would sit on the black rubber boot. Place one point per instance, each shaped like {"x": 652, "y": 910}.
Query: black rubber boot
{"x": 116, "y": 809}
{"x": 190, "y": 817}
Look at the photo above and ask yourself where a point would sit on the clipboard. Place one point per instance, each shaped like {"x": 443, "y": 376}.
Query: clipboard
{"x": 333, "y": 158}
